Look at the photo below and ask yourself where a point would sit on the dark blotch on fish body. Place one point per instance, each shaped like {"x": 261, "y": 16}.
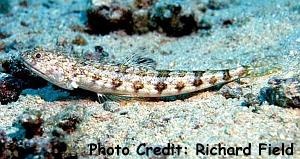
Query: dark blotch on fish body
{"x": 160, "y": 86}
{"x": 137, "y": 85}
{"x": 213, "y": 80}
{"x": 197, "y": 82}
{"x": 116, "y": 83}
{"x": 226, "y": 75}
{"x": 179, "y": 86}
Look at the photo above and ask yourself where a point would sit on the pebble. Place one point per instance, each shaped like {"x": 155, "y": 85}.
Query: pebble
{"x": 10, "y": 88}
{"x": 111, "y": 106}
{"x": 231, "y": 92}
{"x": 32, "y": 122}
{"x": 283, "y": 92}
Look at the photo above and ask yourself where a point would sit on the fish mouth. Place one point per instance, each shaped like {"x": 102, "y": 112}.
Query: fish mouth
{"x": 43, "y": 75}
{"x": 36, "y": 71}
{"x": 31, "y": 67}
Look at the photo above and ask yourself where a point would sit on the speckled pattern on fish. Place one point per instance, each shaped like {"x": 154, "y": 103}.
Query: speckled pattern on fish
{"x": 122, "y": 79}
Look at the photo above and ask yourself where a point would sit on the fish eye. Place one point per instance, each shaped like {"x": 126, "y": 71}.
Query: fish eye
{"x": 38, "y": 55}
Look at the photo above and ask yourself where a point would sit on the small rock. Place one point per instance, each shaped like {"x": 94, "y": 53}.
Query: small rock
{"x": 172, "y": 18}
{"x": 105, "y": 19}
{"x": 204, "y": 25}
{"x": 24, "y": 24}
{"x": 175, "y": 18}
{"x": 32, "y": 122}
{"x": 79, "y": 40}
{"x": 99, "y": 49}
{"x": 111, "y": 106}
{"x": 69, "y": 125}
{"x": 250, "y": 100}
{"x": 58, "y": 147}
{"x": 70, "y": 118}
{"x": 228, "y": 22}
{"x": 124, "y": 112}
{"x": 36, "y": 147}
{"x": 231, "y": 92}
{"x": 140, "y": 21}
{"x": 267, "y": 94}
{"x": 10, "y": 88}
{"x": 282, "y": 92}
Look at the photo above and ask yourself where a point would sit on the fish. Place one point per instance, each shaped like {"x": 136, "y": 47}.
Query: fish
{"x": 137, "y": 77}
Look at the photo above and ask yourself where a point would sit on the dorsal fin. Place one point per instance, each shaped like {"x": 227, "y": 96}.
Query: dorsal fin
{"x": 139, "y": 61}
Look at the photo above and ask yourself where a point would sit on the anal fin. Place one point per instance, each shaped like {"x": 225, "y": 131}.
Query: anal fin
{"x": 111, "y": 97}
{"x": 101, "y": 98}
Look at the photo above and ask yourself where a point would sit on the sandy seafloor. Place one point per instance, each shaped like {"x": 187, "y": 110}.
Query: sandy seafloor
{"x": 269, "y": 38}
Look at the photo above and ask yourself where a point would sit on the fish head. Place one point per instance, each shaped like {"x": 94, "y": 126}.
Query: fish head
{"x": 53, "y": 66}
